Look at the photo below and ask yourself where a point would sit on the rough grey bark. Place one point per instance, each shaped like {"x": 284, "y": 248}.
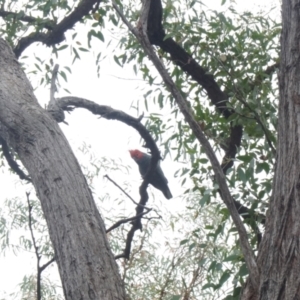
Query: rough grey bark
{"x": 279, "y": 253}
{"x": 86, "y": 264}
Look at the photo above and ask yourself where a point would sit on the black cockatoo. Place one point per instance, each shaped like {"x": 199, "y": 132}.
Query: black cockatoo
{"x": 158, "y": 179}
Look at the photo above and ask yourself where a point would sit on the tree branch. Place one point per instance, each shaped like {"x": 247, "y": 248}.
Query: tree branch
{"x": 116, "y": 225}
{"x": 43, "y": 267}
{"x": 56, "y": 34}
{"x": 111, "y": 114}
{"x": 106, "y": 176}
{"x": 43, "y": 23}
{"x": 141, "y": 34}
{"x": 180, "y": 57}
{"x": 184, "y": 60}
{"x": 188, "y": 64}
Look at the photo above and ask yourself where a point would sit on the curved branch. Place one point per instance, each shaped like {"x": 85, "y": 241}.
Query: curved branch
{"x": 56, "y": 34}
{"x": 184, "y": 60}
{"x": 109, "y": 113}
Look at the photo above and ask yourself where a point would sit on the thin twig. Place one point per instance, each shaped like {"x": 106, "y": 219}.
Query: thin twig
{"x": 116, "y": 225}
{"x": 136, "y": 203}
{"x": 260, "y": 122}
{"x": 36, "y": 249}
{"x": 40, "y": 269}
{"x": 43, "y": 267}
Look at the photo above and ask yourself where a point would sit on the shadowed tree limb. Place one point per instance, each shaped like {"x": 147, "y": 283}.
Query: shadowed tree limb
{"x": 184, "y": 60}
{"x": 188, "y": 64}
{"x": 141, "y": 34}
{"x": 56, "y": 34}
{"x": 43, "y": 23}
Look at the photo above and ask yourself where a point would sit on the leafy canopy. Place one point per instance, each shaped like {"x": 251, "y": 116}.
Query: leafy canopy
{"x": 239, "y": 50}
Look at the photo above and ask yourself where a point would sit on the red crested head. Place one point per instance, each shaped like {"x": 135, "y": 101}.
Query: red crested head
{"x": 136, "y": 154}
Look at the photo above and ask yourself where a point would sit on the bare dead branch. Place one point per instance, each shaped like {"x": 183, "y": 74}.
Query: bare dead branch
{"x": 109, "y": 113}
{"x": 120, "y": 188}
{"x": 117, "y": 224}
{"x": 141, "y": 34}
{"x": 127, "y": 250}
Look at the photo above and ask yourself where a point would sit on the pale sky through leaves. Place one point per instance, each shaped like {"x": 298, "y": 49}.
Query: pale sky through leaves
{"x": 118, "y": 88}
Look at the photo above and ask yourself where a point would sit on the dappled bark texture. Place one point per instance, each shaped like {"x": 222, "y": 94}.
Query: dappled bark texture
{"x": 86, "y": 264}
{"x": 279, "y": 253}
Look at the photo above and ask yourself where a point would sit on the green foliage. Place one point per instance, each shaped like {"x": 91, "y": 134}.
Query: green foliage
{"x": 237, "y": 49}
{"x": 201, "y": 258}
{"x": 15, "y": 237}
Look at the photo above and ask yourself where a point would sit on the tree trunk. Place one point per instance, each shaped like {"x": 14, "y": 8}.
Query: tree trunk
{"x": 86, "y": 264}
{"x": 279, "y": 253}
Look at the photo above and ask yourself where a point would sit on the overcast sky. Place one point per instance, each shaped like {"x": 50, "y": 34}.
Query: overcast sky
{"x": 116, "y": 87}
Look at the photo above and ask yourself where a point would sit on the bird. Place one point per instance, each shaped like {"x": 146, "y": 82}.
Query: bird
{"x": 158, "y": 179}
